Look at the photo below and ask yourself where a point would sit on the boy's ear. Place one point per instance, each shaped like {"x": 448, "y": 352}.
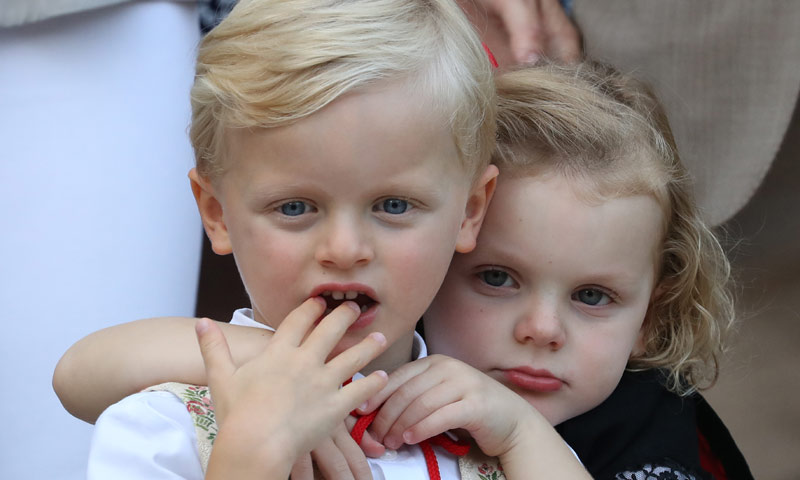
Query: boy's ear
{"x": 211, "y": 213}
{"x": 477, "y": 203}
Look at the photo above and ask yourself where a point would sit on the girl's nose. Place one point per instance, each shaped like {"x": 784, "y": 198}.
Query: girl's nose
{"x": 540, "y": 325}
{"x": 344, "y": 244}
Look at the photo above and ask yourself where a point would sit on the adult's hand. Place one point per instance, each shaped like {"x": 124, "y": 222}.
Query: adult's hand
{"x": 522, "y": 31}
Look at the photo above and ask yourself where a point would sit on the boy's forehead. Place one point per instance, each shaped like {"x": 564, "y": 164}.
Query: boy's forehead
{"x": 380, "y": 127}
{"x": 382, "y": 122}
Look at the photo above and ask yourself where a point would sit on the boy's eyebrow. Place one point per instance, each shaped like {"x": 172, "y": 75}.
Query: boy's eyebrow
{"x": 401, "y": 188}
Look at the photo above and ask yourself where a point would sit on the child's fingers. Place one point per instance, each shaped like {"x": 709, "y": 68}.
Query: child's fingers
{"x": 403, "y": 397}
{"x": 371, "y": 447}
{"x": 356, "y": 393}
{"x": 332, "y": 328}
{"x": 424, "y": 405}
{"x": 352, "y": 360}
{"x": 296, "y": 325}
{"x": 396, "y": 380}
{"x": 330, "y": 461}
{"x": 340, "y": 457}
{"x": 448, "y": 417}
{"x": 214, "y": 349}
{"x": 302, "y": 469}
{"x": 356, "y": 460}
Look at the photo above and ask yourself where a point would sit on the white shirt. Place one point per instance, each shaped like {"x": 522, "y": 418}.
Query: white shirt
{"x": 150, "y": 435}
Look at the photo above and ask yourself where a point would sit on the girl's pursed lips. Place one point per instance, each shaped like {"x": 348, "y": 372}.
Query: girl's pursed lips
{"x": 536, "y": 380}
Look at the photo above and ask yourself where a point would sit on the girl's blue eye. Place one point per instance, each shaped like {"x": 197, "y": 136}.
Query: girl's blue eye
{"x": 394, "y": 206}
{"x": 592, "y": 297}
{"x": 496, "y": 278}
{"x": 294, "y": 208}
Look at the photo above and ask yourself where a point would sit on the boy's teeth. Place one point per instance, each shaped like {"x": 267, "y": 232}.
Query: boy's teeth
{"x": 337, "y": 295}
{"x": 363, "y": 308}
{"x": 350, "y": 294}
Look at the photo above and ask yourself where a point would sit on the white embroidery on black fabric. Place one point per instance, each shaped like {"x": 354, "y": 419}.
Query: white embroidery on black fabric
{"x": 655, "y": 472}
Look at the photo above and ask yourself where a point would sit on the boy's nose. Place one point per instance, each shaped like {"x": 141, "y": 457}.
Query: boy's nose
{"x": 540, "y": 325}
{"x": 345, "y": 244}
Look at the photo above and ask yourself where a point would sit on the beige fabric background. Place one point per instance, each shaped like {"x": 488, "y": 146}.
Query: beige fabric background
{"x": 728, "y": 72}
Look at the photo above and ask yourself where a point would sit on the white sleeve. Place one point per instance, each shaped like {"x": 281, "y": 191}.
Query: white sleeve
{"x": 145, "y": 436}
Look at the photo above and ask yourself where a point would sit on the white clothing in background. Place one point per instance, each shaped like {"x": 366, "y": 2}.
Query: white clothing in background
{"x": 99, "y": 223}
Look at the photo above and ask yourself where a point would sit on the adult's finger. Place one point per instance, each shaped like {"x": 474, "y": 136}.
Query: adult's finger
{"x": 523, "y": 22}
{"x": 562, "y": 35}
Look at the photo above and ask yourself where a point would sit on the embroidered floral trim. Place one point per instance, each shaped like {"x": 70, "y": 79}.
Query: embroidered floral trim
{"x": 198, "y": 403}
{"x": 488, "y": 472}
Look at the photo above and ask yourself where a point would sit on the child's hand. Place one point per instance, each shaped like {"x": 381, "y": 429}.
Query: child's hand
{"x": 337, "y": 458}
{"x": 282, "y": 403}
{"x": 438, "y": 393}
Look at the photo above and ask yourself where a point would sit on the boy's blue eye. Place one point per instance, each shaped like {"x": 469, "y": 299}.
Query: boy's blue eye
{"x": 294, "y": 208}
{"x": 496, "y": 278}
{"x": 592, "y": 297}
{"x": 394, "y": 206}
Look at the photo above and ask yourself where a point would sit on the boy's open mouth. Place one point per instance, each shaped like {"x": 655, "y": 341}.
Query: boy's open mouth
{"x": 335, "y": 298}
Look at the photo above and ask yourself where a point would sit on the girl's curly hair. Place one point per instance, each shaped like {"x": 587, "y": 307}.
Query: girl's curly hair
{"x": 608, "y": 132}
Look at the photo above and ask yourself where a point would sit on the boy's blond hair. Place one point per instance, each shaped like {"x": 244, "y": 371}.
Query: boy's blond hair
{"x": 608, "y": 132}
{"x": 273, "y": 62}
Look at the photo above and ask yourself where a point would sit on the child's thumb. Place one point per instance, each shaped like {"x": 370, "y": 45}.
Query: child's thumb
{"x": 215, "y": 351}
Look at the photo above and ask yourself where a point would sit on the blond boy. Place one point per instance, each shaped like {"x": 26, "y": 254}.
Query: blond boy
{"x": 342, "y": 152}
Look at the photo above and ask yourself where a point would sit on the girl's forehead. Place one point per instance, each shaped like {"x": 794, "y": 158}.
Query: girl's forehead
{"x": 547, "y": 213}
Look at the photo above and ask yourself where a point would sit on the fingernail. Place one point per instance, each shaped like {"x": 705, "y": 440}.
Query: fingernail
{"x": 363, "y": 406}
{"x": 390, "y": 443}
{"x": 320, "y": 301}
{"x": 532, "y": 58}
{"x": 354, "y": 306}
{"x": 407, "y": 438}
{"x": 378, "y": 337}
{"x": 201, "y": 326}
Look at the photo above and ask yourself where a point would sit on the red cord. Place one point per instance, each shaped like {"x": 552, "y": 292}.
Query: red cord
{"x": 361, "y": 425}
{"x": 491, "y": 55}
{"x": 452, "y": 446}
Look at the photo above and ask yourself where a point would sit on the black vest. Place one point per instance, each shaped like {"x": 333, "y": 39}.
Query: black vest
{"x": 642, "y": 423}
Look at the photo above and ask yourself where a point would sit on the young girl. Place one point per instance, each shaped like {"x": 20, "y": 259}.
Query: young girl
{"x": 596, "y": 292}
